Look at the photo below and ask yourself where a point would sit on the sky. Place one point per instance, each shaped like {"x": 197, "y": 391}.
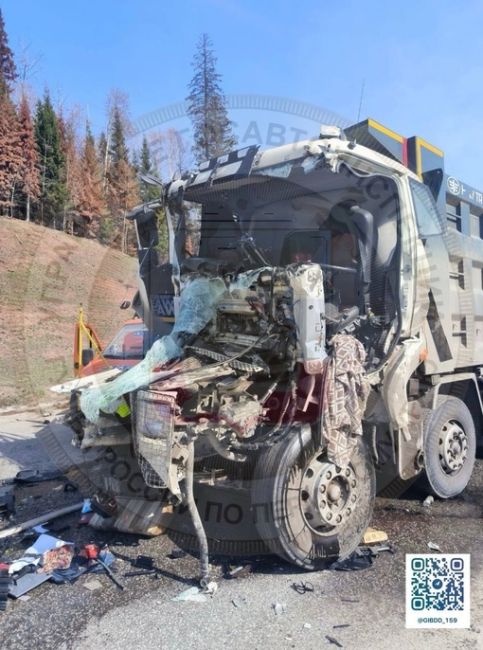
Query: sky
{"x": 420, "y": 63}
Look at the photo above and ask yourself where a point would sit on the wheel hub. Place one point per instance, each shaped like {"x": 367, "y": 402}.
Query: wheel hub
{"x": 328, "y": 493}
{"x": 453, "y": 447}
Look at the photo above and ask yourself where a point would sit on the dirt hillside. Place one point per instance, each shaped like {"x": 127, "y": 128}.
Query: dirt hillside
{"x": 44, "y": 275}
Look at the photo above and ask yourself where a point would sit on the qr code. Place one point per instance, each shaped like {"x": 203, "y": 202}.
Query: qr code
{"x": 437, "y": 590}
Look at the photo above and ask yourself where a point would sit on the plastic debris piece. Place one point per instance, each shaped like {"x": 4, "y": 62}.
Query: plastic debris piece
{"x": 210, "y": 588}
{"x": 23, "y": 562}
{"x": 428, "y": 501}
{"x": 373, "y": 536}
{"x": 40, "y": 529}
{"x": 434, "y": 547}
{"x": 331, "y": 639}
{"x": 358, "y": 560}
{"x": 279, "y": 608}
{"x": 93, "y": 584}
{"x": 144, "y": 562}
{"x": 86, "y": 507}
{"x": 45, "y": 543}
{"x": 27, "y": 582}
{"x": 192, "y": 594}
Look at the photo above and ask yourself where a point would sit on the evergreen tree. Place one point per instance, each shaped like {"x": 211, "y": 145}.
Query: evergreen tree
{"x": 52, "y": 161}
{"x": 10, "y": 146}
{"x": 146, "y": 165}
{"x": 30, "y": 174}
{"x": 118, "y": 147}
{"x": 8, "y": 72}
{"x": 212, "y": 129}
{"x": 122, "y": 186}
{"x": 148, "y": 192}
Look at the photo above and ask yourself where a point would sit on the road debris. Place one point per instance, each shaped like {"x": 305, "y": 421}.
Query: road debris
{"x": 307, "y": 626}
{"x": 28, "y": 476}
{"x": 177, "y": 554}
{"x": 279, "y": 608}
{"x": 192, "y": 594}
{"x": 331, "y": 639}
{"x": 7, "y": 499}
{"x": 350, "y": 600}
{"x": 373, "y": 536}
{"x": 241, "y": 571}
{"x": 93, "y": 584}
{"x": 339, "y": 627}
{"x": 434, "y": 547}
{"x": 240, "y": 601}
{"x": 361, "y": 558}
{"x": 302, "y": 587}
{"x": 8, "y": 532}
{"x": 428, "y": 501}
{"x": 26, "y": 582}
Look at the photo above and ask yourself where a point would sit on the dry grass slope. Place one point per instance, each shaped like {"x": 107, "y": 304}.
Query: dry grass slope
{"x": 44, "y": 275}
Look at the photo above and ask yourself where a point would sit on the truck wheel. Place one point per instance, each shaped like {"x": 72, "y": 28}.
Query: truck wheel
{"x": 449, "y": 448}
{"x": 307, "y": 509}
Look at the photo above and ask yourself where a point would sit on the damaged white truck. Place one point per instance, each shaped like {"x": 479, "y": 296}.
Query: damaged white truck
{"x": 328, "y": 330}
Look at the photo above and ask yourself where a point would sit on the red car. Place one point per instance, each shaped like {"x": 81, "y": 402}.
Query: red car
{"x": 126, "y": 349}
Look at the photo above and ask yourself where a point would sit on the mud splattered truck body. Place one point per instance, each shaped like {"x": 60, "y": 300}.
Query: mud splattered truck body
{"x": 328, "y": 331}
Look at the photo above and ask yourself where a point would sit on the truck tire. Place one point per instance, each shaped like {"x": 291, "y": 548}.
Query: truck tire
{"x": 291, "y": 515}
{"x": 449, "y": 448}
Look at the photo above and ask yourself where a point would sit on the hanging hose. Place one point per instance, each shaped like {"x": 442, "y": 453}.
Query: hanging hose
{"x": 196, "y": 519}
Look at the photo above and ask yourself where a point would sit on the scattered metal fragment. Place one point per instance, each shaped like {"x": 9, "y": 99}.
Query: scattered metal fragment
{"x": 279, "y": 608}
{"x": 331, "y": 639}
{"x": 339, "y": 627}
{"x": 434, "y": 547}
{"x": 350, "y": 600}
{"x": 241, "y": 571}
{"x": 302, "y": 587}
{"x": 375, "y": 550}
{"x": 141, "y": 572}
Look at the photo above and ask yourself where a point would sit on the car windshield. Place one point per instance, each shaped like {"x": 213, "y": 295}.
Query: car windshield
{"x": 130, "y": 342}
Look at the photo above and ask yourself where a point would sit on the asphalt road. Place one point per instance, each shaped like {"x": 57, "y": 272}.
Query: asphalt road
{"x": 369, "y": 603}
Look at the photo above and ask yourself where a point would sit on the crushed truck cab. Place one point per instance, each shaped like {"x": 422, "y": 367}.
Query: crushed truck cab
{"x": 327, "y": 334}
